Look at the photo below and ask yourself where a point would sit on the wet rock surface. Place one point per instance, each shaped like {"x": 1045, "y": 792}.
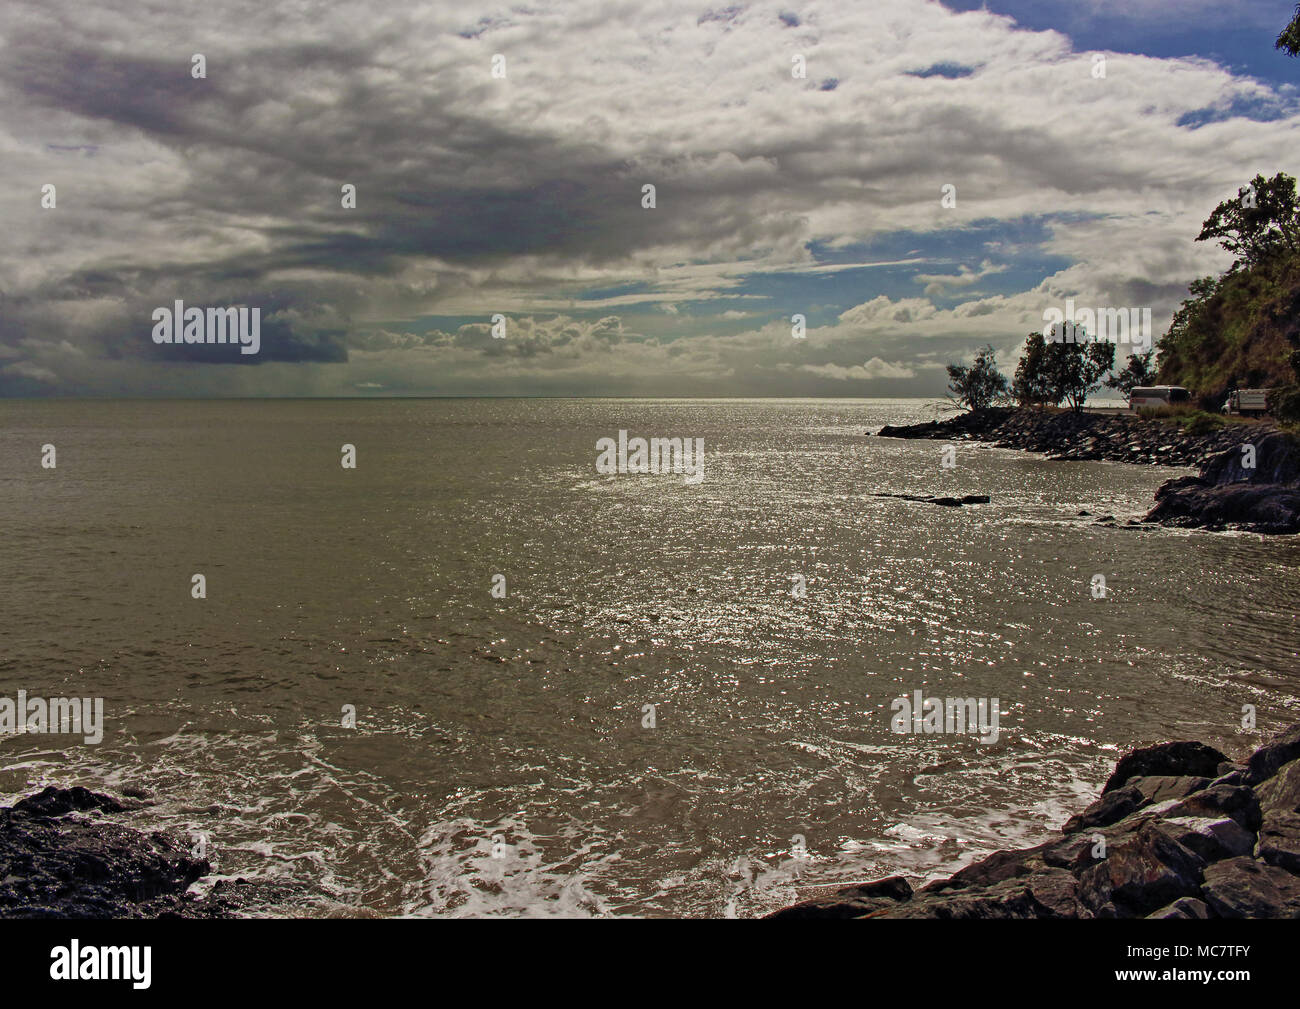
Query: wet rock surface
{"x": 64, "y": 855}
{"x": 1163, "y": 840}
{"x": 1228, "y": 493}
{"x": 951, "y": 502}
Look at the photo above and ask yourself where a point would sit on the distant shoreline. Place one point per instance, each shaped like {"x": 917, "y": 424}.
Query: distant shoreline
{"x": 1250, "y": 472}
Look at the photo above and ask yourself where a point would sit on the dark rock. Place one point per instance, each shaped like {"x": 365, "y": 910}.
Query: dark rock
{"x": 1237, "y": 776}
{"x": 1279, "y": 841}
{"x": 1052, "y": 893}
{"x": 852, "y": 901}
{"x": 1276, "y": 462}
{"x": 1279, "y": 831}
{"x": 1177, "y": 759}
{"x": 1112, "y": 807}
{"x": 999, "y": 866}
{"x": 1143, "y": 872}
{"x": 1212, "y": 840}
{"x": 61, "y": 858}
{"x": 1245, "y": 888}
{"x": 1183, "y": 907}
{"x": 1162, "y": 787}
{"x": 1260, "y": 508}
{"x": 1269, "y": 758}
{"x": 948, "y": 502}
{"x": 1165, "y": 840}
{"x": 1218, "y": 801}
{"x": 57, "y": 801}
{"x": 1265, "y": 499}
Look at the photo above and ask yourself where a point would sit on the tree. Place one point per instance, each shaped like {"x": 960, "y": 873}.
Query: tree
{"x": 1075, "y": 370}
{"x": 981, "y": 384}
{"x": 1262, "y": 219}
{"x": 1289, "y": 40}
{"x": 1031, "y": 386}
{"x": 1138, "y": 371}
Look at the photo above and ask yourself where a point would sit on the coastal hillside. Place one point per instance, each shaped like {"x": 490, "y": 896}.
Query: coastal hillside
{"x": 1241, "y": 330}
{"x": 1238, "y": 333}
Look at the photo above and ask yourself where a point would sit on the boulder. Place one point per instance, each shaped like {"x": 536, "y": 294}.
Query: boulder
{"x": 57, "y": 801}
{"x": 1218, "y": 801}
{"x": 1142, "y": 873}
{"x": 1211, "y": 839}
{"x": 1269, "y": 758}
{"x": 1111, "y": 807}
{"x": 851, "y": 901}
{"x": 1279, "y": 841}
{"x": 1052, "y": 893}
{"x": 1279, "y": 831}
{"x": 1177, "y": 759}
{"x": 1183, "y": 907}
{"x": 1245, "y": 888}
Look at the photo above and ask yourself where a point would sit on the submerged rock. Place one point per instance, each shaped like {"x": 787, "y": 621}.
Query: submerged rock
{"x": 1164, "y": 840}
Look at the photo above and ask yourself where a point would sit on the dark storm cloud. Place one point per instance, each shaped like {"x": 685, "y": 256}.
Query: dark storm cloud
{"x": 523, "y": 195}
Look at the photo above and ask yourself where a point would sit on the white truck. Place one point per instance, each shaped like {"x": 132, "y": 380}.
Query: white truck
{"x": 1243, "y": 401}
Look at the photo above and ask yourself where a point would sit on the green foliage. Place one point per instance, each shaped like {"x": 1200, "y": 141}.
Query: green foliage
{"x": 1289, "y": 40}
{"x": 1200, "y": 422}
{"x": 1235, "y": 332}
{"x": 1261, "y": 221}
{"x": 1284, "y": 404}
{"x": 1139, "y": 371}
{"x": 981, "y": 384}
{"x": 1075, "y": 370}
{"x": 1051, "y": 372}
{"x": 1242, "y": 330}
{"x": 1030, "y": 386}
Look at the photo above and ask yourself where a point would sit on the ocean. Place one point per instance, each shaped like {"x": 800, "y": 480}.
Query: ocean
{"x": 475, "y": 676}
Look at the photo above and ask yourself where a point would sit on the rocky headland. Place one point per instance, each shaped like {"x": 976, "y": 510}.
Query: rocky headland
{"x": 1179, "y": 831}
{"x": 63, "y": 855}
{"x": 1227, "y": 494}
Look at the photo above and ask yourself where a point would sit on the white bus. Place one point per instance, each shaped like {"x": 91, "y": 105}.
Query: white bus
{"x": 1158, "y": 395}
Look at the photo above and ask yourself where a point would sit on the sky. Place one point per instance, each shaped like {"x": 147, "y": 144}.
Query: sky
{"x": 499, "y": 155}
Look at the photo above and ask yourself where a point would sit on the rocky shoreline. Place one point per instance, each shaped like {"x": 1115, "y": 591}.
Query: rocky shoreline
{"x": 1179, "y": 831}
{"x": 63, "y": 856}
{"x": 1226, "y": 495}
